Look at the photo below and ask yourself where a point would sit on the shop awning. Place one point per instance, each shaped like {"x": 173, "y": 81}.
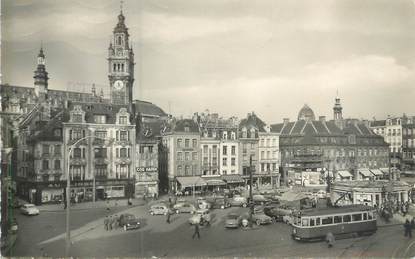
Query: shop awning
{"x": 232, "y": 178}
{"x": 215, "y": 182}
{"x": 376, "y": 172}
{"x": 384, "y": 170}
{"x": 345, "y": 174}
{"x": 190, "y": 181}
{"x": 365, "y": 172}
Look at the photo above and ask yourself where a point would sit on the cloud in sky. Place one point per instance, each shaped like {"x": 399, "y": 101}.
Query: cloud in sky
{"x": 266, "y": 56}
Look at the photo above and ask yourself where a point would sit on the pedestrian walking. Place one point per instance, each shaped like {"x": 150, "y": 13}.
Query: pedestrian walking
{"x": 412, "y": 223}
{"x": 115, "y": 222}
{"x": 110, "y": 222}
{"x": 168, "y": 216}
{"x": 106, "y": 223}
{"x": 196, "y": 233}
{"x": 330, "y": 239}
{"x": 408, "y": 230}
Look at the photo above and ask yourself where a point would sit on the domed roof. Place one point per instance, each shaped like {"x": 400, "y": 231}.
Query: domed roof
{"x": 306, "y": 113}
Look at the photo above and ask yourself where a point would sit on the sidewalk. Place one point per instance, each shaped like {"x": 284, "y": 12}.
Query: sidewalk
{"x": 7, "y": 243}
{"x": 92, "y": 205}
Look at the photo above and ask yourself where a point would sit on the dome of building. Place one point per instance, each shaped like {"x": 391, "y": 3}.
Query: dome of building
{"x": 306, "y": 113}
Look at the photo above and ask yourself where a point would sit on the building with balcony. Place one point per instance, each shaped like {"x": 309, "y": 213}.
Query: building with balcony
{"x": 408, "y": 144}
{"x": 269, "y": 158}
{"x": 312, "y": 149}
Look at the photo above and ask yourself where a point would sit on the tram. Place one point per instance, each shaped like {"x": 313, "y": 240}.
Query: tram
{"x": 314, "y": 224}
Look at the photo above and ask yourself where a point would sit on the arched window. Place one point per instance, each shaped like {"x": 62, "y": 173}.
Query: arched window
{"x": 118, "y": 67}
{"x": 119, "y": 40}
{"x": 114, "y": 67}
{"x": 122, "y": 67}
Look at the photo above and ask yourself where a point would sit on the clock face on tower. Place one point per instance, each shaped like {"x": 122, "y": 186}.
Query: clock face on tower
{"x": 118, "y": 84}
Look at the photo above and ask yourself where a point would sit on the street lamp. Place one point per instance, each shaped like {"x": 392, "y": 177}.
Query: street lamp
{"x": 68, "y": 189}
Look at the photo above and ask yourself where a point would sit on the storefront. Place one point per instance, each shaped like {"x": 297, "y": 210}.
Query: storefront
{"x": 146, "y": 182}
{"x": 233, "y": 181}
{"x": 344, "y": 175}
{"x": 369, "y": 192}
{"x": 214, "y": 184}
{"x": 364, "y": 174}
{"x": 186, "y": 185}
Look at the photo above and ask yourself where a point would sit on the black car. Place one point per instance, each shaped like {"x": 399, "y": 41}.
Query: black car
{"x": 129, "y": 221}
{"x": 276, "y": 213}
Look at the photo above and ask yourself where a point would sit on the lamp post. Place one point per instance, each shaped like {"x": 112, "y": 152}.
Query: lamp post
{"x": 68, "y": 189}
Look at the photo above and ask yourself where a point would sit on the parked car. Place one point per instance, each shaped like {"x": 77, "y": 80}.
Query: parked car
{"x": 232, "y": 221}
{"x": 276, "y": 213}
{"x": 257, "y": 218}
{"x": 238, "y": 201}
{"x": 202, "y": 203}
{"x": 129, "y": 221}
{"x": 184, "y": 207}
{"x": 218, "y": 202}
{"x": 200, "y": 216}
{"x": 29, "y": 209}
{"x": 159, "y": 209}
{"x": 260, "y": 199}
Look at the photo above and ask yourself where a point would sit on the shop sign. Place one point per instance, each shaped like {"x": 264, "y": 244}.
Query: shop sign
{"x": 146, "y": 169}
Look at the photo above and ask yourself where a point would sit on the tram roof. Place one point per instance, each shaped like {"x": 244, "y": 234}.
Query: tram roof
{"x": 335, "y": 210}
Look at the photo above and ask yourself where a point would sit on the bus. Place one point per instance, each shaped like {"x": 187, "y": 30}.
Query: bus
{"x": 314, "y": 224}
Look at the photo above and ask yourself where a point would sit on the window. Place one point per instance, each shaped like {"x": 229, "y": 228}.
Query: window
{"x": 179, "y": 142}
{"x": 318, "y": 222}
{"x": 45, "y": 149}
{"x": 124, "y": 152}
{"x": 100, "y": 170}
{"x": 194, "y": 156}
{"x": 187, "y": 143}
{"x": 187, "y": 170}
{"x": 194, "y": 143}
{"x": 262, "y": 154}
{"x": 187, "y": 156}
{"x": 150, "y": 149}
{"x": 76, "y": 171}
{"x": 77, "y": 118}
{"x": 214, "y": 150}
{"x": 121, "y": 171}
{"x": 268, "y": 143}
{"x": 45, "y": 164}
{"x": 337, "y": 219}
{"x": 205, "y": 161}
{"x": 225, "y": 150}
{"x": 123, "y": 119}
{"x": 205, "y": 149}
{"x": 77, "y": 152}
{"x": 76, "y": 134}
{"x": 312, "y": 222}
{"x": 100, "y": 152}
{"x": 370, "y": 215}
{"x": 233, "y": 161}
{"x": 179, "y": 170}
{"x": 268, "y": 154}
{"x": 57, "y": 132}
{"x": 347, "y": 218}
{"x": 179, "y": 156}
{"x": 141, "y": 150}
{"x": 57, "y": 165}
{"x": 364, "y": 216}
{"x": 357, "y": 217}
{"x": 233, "y": 150}
{"x": 326, "y": 220}
{"x": 224, "y": 161}
{"x": 124, "y": 135}
{"x": 57, "y": 149}
{"x": 101, "y": 134}
{"x": 100, "y": 119}
{"x": 304, "y": 222}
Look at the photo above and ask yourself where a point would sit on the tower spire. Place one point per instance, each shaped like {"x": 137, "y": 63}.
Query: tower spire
{"x": 121, "y": 5}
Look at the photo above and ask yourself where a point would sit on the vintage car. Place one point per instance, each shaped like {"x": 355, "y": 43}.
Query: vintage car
{"x": 277, "y": 213}
{"x": 129, "y": 221}
{"x": 238, "y": 201}
{"x": 258, "y": 218}
{"x": 184, "y": 207}
{"x": 218, "y": 202}
{"x": 232, "y": 221}
{"x": 29, "y": 209}
{"x": 159, "y": 209}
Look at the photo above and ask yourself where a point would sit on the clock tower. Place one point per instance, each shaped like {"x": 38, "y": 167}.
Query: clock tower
{"x": 120, "y": 64}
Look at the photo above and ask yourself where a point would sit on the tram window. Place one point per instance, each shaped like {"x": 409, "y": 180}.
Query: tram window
{"x": 312, "y": 222}
{"x": 365, "y": 216}
{"x": 370, "y": 215}
{"x": 304, "y": 222}
{"x": 337, "y": 219}
{"x": 318, "y": 222}
{"x": 327, "y": 220}
{"x": 357, "y": 217}
{"x": 347, "y": 218}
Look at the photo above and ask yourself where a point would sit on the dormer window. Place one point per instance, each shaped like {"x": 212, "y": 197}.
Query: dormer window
{"x": 252, "y": 133}
{"x": 100, "y": 119}
{"x": 77, "y": 118}
{"x": 244, "y": 133}
{"x": 123, "y": 120}
{"x": 233, "y": 135}
{"x": 57, "y": 132}
{"x": 225, "y": 135}
{"x": 77, "y": 114}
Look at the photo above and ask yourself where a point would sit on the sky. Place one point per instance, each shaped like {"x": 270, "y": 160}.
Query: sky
{"x": 230, "y": 57}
